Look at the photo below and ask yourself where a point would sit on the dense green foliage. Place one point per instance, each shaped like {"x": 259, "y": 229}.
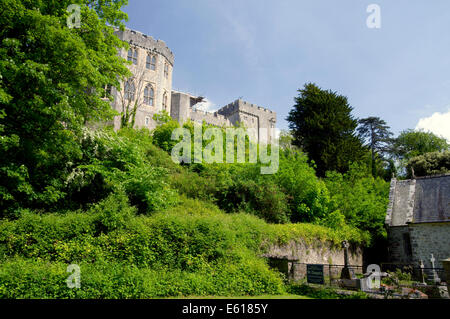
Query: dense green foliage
{"x": 293, "y": 194}
{"x": 361, "y": 198}
{"x": 52, "y": 79}
{"x": 127, "y": 220}
{"x": 429, "y": 164}
{"x": 192, "y": 249}
{"x": 411, "y": 143}
{"x": 115, "y": 162}
{"x": 323, "y": 127}
{"x": 138, "y": 224}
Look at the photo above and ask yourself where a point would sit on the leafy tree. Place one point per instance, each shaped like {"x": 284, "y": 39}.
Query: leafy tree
{"x": 307, "y": 195}
{"x": 411, "y": 143}
{"x": 52, "y": 80}
{"x": 286, "y": 140}
{"x": 322, "y": 125}
{"x": 429, "y": 164}
{"x": 376, "y": 132}
{"x": 361, "y": 198}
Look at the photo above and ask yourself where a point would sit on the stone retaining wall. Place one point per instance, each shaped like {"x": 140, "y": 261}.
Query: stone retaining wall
{"x": 291, "y": 258}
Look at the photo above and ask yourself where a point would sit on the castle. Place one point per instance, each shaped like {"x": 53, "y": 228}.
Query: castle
{"x": 151, "y": 90}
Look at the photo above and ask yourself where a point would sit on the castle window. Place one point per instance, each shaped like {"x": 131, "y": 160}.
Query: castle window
{"x": 129, "y": 90}
{"x": 151, "y": 62}
{"x": 135, "y": 55}
{"x": 166, "y": 70}
{"x": 149, "y": 95}
{"x": 147, "y": 121}
{"x": 132, "y": 56}
{"x": 165, "y": 101}
{"x": 108, "y": 91}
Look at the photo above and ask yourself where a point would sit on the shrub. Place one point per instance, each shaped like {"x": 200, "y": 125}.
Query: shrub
{"x": 313, "y": 234}
{"x": 21, "y": 278}
{"x": 115, "y": 162}
{"x": 361, "y": 198}
{"x": 430, "y": 164}
{"x": 43, "y": 236}
{"x": 308, "y": 195}
{"x": 162, "y": 135}
{"x": 241, "y": 187}
{"x": 114, "y": 212}
{"x": 190, "y": 249}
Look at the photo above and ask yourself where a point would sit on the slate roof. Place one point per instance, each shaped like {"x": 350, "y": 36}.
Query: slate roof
{"x": 420, "y": 200}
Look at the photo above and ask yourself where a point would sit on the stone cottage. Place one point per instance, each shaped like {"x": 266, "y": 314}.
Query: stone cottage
{"x": 418, "y": 220}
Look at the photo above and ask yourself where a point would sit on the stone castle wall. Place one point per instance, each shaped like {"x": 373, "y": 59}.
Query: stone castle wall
{"x": 146, "y": 45}
{"x": 251, "y": 116}
{"x": 238, "y": 112}
{"x": 182, "y": 109}
{"x": 179, "y": 104}
{"x": 209, "y": 117}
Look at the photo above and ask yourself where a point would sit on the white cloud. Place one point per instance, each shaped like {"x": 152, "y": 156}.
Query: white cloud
{"x": 438, "y": 123}
{"x": 206, "y": 105}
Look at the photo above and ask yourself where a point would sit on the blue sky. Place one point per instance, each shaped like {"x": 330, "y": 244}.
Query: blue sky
{"x": 263, "y": 51}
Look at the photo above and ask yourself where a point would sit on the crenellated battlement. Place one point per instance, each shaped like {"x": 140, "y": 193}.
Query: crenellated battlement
{"x": 146, "y": 42}
{"x": 244, "y": 106}
{"x": 182, "y": 105}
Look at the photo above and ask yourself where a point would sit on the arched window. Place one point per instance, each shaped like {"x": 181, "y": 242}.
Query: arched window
{"x": 165, "y": 101}
{"x": 149, "y": 95}
{"x": 129, "y": 90}
{"x": 166, "y": 70}
{"x": 130, "y": 55}
{"x": 151, "y": 62}
{"x": 135, "y": 56}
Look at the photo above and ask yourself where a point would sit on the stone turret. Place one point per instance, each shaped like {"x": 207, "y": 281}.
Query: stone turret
{"x": 155, "y": 74}
{"x": 252, "y": 116}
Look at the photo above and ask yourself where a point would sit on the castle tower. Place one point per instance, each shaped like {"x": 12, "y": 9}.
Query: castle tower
{"x": 251, "y": 116}
{"x": 151, "y": 88}
{"x": 152, "y": 66}
{"x": 183, "y": 109}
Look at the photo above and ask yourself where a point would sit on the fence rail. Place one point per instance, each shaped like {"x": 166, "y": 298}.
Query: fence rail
{"x": 332, "y": 272}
